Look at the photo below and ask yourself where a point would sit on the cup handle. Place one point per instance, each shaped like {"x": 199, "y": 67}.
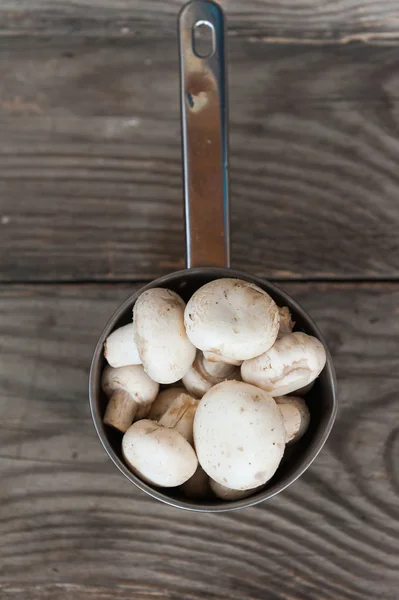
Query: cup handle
{"x": 204, "y": 119}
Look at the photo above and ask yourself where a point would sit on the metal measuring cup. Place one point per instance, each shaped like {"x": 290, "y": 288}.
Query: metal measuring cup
{"x": 205, "y": 159}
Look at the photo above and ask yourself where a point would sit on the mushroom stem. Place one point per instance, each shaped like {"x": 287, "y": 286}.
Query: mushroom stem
{"x": 180, "y": 416}
{"x": 120, "y": 411}
{"x": 217, "y": 370}
{"x": 204, "y": 374}
{"x": 163, "y": 401}
{"x": 131, "y": 393}
{"x": 213, "y": 357}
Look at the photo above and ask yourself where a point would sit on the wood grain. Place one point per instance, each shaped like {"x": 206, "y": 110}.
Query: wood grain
{"x": 315, "y": 20}
{"x": 72, "y": 527}
{"x": 90, "y": 168}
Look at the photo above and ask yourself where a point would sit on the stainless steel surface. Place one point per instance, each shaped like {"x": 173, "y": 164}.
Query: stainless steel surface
{"x": 204, "y": 136}
{"x": 208, "y": 245}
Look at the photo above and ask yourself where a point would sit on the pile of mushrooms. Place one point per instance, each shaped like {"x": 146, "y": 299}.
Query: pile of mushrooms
{"x": 233, "y": 374}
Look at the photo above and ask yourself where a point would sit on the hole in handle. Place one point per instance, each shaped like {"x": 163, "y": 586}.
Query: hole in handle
{"x": 203, "y": 39}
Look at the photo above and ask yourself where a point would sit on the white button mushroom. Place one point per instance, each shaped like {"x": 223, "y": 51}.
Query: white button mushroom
{"x": 232, "y": 318}
{"x": 295, "y": 415}
{"x": 286, "y": 322}
{"x": 225, "y": 493}
{"x": 163, "y": 401}
{"x": 204, "y": 374}
{"x": 160, "y": 336}
{"x": 120, "y": 348}
{"x": 158, "y": 455}
{"x": 130, "y": 390}
{"x": 239, "y": 435}
{"x": 294, "y": 361}
{"x": 180, "y": 416}
{"x": 198, "y": 485}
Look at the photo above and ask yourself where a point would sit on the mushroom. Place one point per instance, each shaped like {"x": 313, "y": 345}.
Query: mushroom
{"x": 218, "y": 358}
{"x": 180, "y": 416}
{"x": 120, "y": 348}
{"x": 130, "y": 392}
{"x": 163, "y": 401}
{"x": 294, "y": 361}
{"x": 203, "y": 374}
{"x": 226, "y": 493}
{"x": 160, "y": 336}
{"x": 295, "y": 415}
{"x": 286, "y": 322}
{"x": 231, "y": 318}
{"x": 239, "y": 435}
{"x": 198, "y": 485}
{"x": 158, "y": 455}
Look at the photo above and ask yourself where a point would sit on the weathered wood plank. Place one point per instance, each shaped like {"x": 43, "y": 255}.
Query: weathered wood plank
{"x": 342, "y": 21}
{"x": 71, "y": 526}
{"x": 90, "y": 170}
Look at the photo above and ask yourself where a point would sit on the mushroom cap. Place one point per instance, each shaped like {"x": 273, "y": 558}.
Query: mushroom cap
{"x": 296, "y": 416}
{"x": 198, "y": 485}
{"x": 294, "y": 361}
{"x": 226, "y": 493}
{"x": 232, "y": 318}
{"x": 132, "y": 379}
{"x": 120, "y": 348}
{"x": 239, "y": 435}
{"x": 158, "y": 455}
{"x": 163, "y": 401}
{"x": 161, "y": 339}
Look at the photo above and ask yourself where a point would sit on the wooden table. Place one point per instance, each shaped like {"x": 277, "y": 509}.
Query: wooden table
{"x": 90, "y": 206}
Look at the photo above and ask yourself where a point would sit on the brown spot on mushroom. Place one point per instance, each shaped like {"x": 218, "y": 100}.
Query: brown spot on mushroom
{"x": 151, "y": 430}
{"x": 240, "y": 448}
{"x": 260, "y": 475}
